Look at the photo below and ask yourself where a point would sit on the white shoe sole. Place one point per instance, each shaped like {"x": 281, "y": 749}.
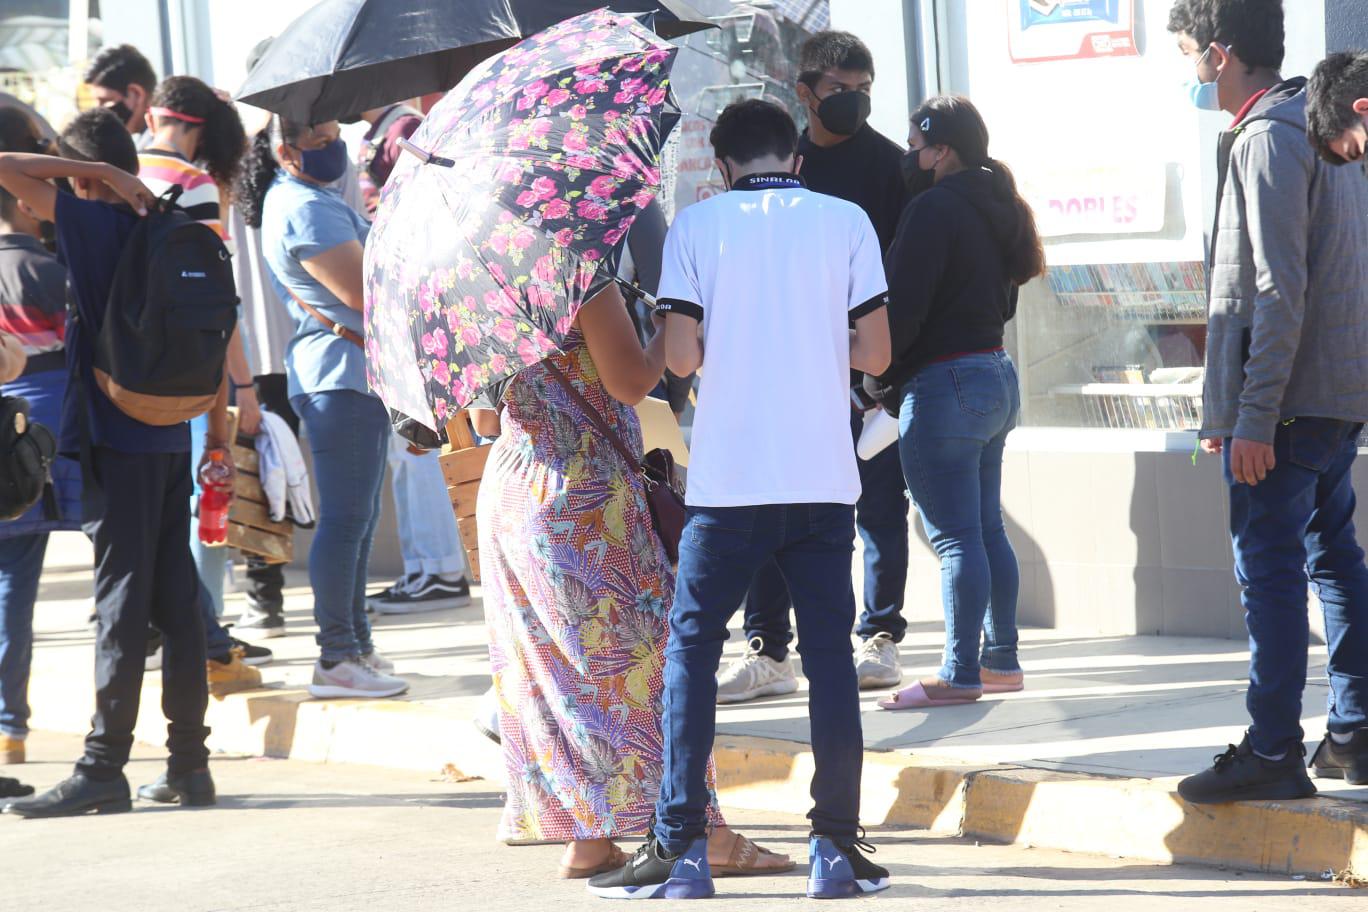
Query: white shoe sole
{"x": 881, "y": 679}
{"x": 773, "y": 689}
{"x": 382, "y": 606}
{"x": 332, "y": 691}
{"x": 253, "y": 634}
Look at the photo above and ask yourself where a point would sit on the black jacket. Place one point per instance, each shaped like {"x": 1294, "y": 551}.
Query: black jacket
{"x": 947, "y": 275}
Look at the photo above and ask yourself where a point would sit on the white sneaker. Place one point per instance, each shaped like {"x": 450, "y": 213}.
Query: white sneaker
{"x": 377, "y": 661}
{"x": 755, "y": 675}
{"x": 354, "y": 678}
{"x": 876, "y": 662}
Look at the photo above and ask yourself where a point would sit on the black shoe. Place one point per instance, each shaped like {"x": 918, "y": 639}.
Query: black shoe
{"x": 260, "y": 625}
{"x": 839, "y": 869}
{"x": 251, "y": 653}
{"x": 655, "y": 874}
{"x": 1242, "y": 775}
{"x": 1347, "y": 761}
{"x": 13, "y": 788}
{"x": 424, "y": 593}
{"x": 192, "y": 789}
{"x": 75, "y": 796}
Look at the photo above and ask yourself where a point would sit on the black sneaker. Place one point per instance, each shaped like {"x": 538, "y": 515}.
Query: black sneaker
{"x": 259, "y": 625}
{"x": 427, "y": 593}
{"x": 1242, "y": 775}
{"x": 251, "y": 653}
{"x": 839, "y": 869}
{"x": 1348, "y": 761}
{"x": 655, "y": 874}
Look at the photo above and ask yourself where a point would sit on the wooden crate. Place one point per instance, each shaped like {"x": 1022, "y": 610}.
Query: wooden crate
{"x": 463, "y": 464}
{"x": 250, "y": 528}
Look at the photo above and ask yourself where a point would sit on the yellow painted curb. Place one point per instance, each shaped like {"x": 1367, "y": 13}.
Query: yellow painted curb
{"x": 1130, "y": 818}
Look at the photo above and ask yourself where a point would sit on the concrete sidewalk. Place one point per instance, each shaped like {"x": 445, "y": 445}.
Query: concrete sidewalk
{"x": 1084, "y": 759}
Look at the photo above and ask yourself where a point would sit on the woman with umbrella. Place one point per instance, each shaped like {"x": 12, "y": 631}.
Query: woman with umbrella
{"x": 312, "y": 240}
{"x": 489, "y": 274}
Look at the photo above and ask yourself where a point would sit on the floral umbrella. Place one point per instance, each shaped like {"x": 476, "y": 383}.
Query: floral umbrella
{"x": 512, "y": 212}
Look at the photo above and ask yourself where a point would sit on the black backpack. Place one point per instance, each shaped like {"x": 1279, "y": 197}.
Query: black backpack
{"x": 26, "y": 453}
{"x": 160, "y": 352}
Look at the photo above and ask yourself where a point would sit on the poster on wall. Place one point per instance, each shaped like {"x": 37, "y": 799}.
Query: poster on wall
{"x": 1045, "y": 30}
{"x": 1115, "y": 199}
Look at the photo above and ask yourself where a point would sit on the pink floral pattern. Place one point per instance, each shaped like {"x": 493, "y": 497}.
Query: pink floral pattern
{"x": 476, "y": 271}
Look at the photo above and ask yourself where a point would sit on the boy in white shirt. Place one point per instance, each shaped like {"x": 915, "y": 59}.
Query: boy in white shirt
{"x": 768, "y": 280}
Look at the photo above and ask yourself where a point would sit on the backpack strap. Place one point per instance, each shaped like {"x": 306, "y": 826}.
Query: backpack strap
{"x": 333, "y": 326}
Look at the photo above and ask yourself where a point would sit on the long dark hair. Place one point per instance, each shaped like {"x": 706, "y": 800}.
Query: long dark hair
{"x": 259, "y": 168}
{"x": 952, "y": 120}
{"x": 222, "y": 139}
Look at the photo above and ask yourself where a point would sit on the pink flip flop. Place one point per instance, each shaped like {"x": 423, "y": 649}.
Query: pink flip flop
{"x": 920, "y": 696}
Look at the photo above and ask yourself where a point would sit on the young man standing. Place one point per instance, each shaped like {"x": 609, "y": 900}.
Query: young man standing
{"x": 122, "y": 81}
{"x": 1337, "y": 108}
{"x": 136, "y": 488}
{"x": 765, "y": 276}
{"x": 1285, "y": 398}
{"x": 843, "y": 157}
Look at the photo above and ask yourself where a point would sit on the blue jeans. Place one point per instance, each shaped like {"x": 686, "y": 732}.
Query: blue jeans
{"x": 428, "y": 538}
{"x": 954, "y": 423}
{"x": 722, "y": 547}
{"x": 210, "y": 563}
{"x": 881, "y": 520}
{"x": 1298, "y": 525}
{"x": 348, "y": 433}
{"x": 21, "y": 565}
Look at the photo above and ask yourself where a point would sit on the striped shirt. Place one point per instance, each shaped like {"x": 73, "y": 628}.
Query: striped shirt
{"x": 32, "y": 294}
{"x": 160, "y": 170}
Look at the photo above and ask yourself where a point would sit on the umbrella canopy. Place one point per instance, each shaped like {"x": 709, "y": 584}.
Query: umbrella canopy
{"x": 533, "y": 170}
{"x": 673, "y": 18}
{"x": 342, "y": 57}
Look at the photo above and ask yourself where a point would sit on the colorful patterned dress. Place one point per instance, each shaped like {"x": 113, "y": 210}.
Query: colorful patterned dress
{"x": 576, "y": 592}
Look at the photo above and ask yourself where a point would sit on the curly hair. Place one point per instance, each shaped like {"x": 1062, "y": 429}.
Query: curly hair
{"x": 1254, "y": 28}
{"x": 260, "y": 166}
{"x": 222, "y": 139}
{"x": 1339, "y": 81}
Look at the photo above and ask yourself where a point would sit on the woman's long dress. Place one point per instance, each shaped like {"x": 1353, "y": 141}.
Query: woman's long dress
{"x": 577, "y": 591}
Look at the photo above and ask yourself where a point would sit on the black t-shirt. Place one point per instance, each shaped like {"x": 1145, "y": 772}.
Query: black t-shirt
{"x": 866, "y": 170}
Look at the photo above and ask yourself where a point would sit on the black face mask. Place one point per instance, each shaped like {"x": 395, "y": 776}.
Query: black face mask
{"x": 916, "y": 178}
{"x": 844, "y": 113}
{"x": 121, "y": 111}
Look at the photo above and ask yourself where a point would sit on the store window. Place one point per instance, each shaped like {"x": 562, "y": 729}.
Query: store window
{"x": 1084, "y": 102}
{"x": 42, "y": 46}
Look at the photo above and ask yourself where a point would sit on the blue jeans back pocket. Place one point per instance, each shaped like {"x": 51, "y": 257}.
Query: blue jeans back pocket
{"x": 721, "y": 531}
{"x": 978, "y": 387}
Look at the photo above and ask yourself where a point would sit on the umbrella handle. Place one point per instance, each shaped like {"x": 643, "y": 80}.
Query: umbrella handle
{"x": 425, "y": 156}
{"x": 634, "y": 292}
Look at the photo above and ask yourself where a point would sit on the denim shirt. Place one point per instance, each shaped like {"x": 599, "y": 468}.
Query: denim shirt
{"x": 300, "y": 221}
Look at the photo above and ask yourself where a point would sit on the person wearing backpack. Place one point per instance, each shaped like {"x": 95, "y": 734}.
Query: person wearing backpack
{"x": 136, "y": 470}
{"x": 196, "y": 142}
{"x": 32, "y": 327}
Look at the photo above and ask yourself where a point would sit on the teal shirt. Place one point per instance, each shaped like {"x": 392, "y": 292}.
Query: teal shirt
{"x": 300, "y": 221}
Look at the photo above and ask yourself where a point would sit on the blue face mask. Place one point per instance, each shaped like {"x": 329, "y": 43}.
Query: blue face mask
{"x": 324, "y": 165}
{"x": 1205, "y": 96}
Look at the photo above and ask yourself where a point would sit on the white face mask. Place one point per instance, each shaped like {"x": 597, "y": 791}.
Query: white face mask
{"x": 1206, "y": 96}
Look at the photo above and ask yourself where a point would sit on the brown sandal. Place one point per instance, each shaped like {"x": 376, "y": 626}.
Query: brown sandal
{"x": 741, "y": 861}
{"x": 616, "y": 859}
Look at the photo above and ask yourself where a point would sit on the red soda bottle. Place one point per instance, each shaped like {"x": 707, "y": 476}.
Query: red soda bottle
{"x": 216, "y": 495}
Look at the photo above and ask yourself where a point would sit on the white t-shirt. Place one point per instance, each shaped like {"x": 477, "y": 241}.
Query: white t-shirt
{"x": 775, "y": 273}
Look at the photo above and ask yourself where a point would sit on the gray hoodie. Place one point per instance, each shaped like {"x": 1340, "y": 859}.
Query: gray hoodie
{"x": 1288, "y": 313}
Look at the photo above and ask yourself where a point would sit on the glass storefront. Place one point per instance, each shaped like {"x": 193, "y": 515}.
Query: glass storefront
{"x": 1084, "y": 102}
{"x": 43, "y": 45}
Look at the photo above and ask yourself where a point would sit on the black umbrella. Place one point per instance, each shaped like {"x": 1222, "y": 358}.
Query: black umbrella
{"x": 342, "y": 57}
{"x": 674, "y": 18}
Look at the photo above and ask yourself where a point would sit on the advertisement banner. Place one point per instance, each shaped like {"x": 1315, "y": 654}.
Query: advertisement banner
{"x": 1044, "y": 30}
{"x": 1106, "y": 199}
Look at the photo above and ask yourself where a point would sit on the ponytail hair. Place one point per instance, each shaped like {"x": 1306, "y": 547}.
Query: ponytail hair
{"x": 953, "y": 121}
{"x": 222, "y": 139}
{"x": 259, "y": 168}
